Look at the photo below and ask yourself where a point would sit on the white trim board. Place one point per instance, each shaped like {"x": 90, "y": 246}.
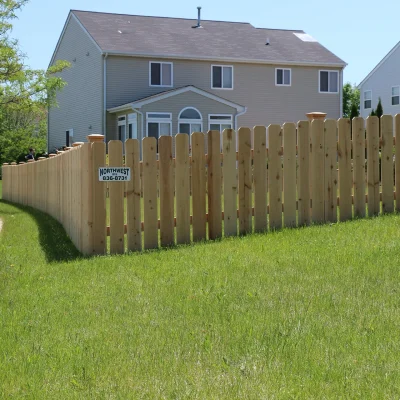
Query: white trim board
{"x": 379, "y": 65}
{"x": 170, "y": 93}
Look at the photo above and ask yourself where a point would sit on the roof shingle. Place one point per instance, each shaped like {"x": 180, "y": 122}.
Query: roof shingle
{"x": 216, "y": 40}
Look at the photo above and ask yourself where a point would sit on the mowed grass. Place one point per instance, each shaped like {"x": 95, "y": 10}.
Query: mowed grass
{"x": 307, "y": 313}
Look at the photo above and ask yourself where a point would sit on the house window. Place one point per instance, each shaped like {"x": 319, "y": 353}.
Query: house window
{"x": 122, "y": 128}
{"x": 190, "y": 121}
{"x": 367, "y": 99}
{"x": 132, "y": 126}
{"x": 69, "y": 137}
{"x": 161, "y": 74}
{"x": 328, "y": 81}
{"x": 159, "y": 124}
{"x": 283, "y": 76}
{"x": 221, "y": 77}
{"x": 395, "y": 96}
{"x": 219, "y": 122}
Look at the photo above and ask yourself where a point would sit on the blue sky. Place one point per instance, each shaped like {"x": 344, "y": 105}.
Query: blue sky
{"x": 359, "y": 32}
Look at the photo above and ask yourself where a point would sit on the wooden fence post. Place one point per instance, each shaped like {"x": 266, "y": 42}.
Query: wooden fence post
{"x": 317, "y": 171}
{"x": 330, "y": 171}
{"x": 397, "y": 162}
{"x": 289, "y": 174}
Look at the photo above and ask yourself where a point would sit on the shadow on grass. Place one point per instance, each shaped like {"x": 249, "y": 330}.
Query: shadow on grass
{"x": 53, "y": 239}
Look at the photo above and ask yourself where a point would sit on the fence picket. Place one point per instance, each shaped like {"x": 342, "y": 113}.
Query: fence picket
{"x": 198, "y": 187}
{"x": 260, "y": 178}
{"x": 182, "y": 188}
{"x": 330, "y": 171}
{"x": 214, "y": 185}
{"x": 166, "y": 191}
{"x": 245, "y": 187}
{"x": 275, "y": 176}
{"x": 97, "y": 219}
{"x": 230, "y": 182}
{"x": 303, "y": 182}
{"x": 117, "y": 245}
{"x": 289, "y": 174}
{"x": 133, "y": 198}
{"x": 373, "y": 165}
{"x": 317, "y": 171}
{"x": 387, "y": 163}
{"x": 397, "y": 159}
{"x": 150, "y": 193}
{"x": 345, "y": 177}
{"x": 359, "y": 166}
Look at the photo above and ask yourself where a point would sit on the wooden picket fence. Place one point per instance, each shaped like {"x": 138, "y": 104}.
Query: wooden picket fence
{"x": 286, "y": 176}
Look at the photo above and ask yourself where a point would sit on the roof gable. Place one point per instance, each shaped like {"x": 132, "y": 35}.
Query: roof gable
{"x": 216, "y": 40}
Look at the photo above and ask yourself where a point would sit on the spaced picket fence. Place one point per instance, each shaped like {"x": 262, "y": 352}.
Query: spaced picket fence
{"x": 293, "y": 176}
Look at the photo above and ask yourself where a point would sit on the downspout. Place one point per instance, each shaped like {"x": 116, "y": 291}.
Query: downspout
{"x": 238, "y": 115}
{"x": 141, "y": 117}
{"x": 105, "y": 97}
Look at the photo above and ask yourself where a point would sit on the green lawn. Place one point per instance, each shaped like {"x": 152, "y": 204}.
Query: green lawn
{"x": 307, "y": 313}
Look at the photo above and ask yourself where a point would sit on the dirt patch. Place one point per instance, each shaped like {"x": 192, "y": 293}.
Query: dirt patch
{"x": 1, "y": 225}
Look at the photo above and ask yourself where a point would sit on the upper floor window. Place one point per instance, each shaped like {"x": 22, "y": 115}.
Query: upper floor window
{"x": 329, "y": 81}
{"x": 161, "y": 74}
{"x": 219, "y": 122}
{"x": 395, "y": 96}
{"x": 283, "y": 76}
{"x": 367, "y": 99}
{"x": 221, "y": 77}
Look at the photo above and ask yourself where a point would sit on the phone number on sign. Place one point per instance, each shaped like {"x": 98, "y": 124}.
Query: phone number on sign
{"x": 114, "y": 178}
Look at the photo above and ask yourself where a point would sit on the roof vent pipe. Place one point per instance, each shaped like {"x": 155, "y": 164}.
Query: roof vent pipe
{"x": 267, "y": 43}
{"x": 198, "y": 19}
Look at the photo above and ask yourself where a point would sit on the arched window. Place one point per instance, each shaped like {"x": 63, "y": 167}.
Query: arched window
{"x": 190, "y": 121}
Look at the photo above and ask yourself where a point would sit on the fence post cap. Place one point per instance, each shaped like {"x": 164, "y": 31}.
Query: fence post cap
{"x": 95, "y": 138}
{"x": 52, "y": 155}
{"x": 6, "y": 163}
{"x": 68, "y": 148}
{"x": 41, "y": 158}
{"x": 13, "y": 163}
{"x": 76, "y": 144}
{"x": 316, "y": 115}
{"x": 21, "y": 162}
{"x": 31, "y": 161}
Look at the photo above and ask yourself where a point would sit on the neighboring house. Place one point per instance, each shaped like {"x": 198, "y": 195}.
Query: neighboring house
{"x": 382, "y": 82}
{"x": 135, "y": 76}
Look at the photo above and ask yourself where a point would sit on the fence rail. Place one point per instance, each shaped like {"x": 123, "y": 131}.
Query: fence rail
{"x": 262, "y": 179}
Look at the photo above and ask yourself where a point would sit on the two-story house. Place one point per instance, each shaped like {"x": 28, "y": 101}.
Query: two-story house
{"x": 136, "y": 76}
{"x": 382, "y": 82}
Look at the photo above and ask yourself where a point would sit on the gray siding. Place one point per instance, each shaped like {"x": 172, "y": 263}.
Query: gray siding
{"x": 174, "y": 105}
{"x": 254, "y": 87}
{"x": 381, "y": 83}
{"x": 80, "y": 103}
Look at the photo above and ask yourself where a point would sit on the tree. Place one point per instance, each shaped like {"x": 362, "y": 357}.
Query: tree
{"x": 379, "y": 109}
{"x": 373, "y": 113}
{"x": 25, "y": 94}
{"x": 351, "y": 101}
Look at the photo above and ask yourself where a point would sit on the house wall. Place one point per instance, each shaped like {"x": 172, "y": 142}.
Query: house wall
{"x": 80, "y": 103}
{"x": 381, "y": 83}
{"x": 254, "y": 87}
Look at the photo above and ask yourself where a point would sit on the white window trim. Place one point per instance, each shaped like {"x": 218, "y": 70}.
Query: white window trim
{"x": 220, "y": 121}
{"x": 283, "y": 78}
{"x": 319, "y": 81}
{"x": 222, "y": 77}
{"x": 190, "y": 121}
{"x": 363, "y": 102}
{"x": 131, "y": 121}
{"x": 172, "y": 73}
{"x": 159, "y": 120}
{"x": 397, "y": 95}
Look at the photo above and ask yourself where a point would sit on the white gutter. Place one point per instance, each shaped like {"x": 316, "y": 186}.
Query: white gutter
{"x": 142, "y": 118}
{"x": 105, "y": 97}
{"x": 238, "y": 115}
